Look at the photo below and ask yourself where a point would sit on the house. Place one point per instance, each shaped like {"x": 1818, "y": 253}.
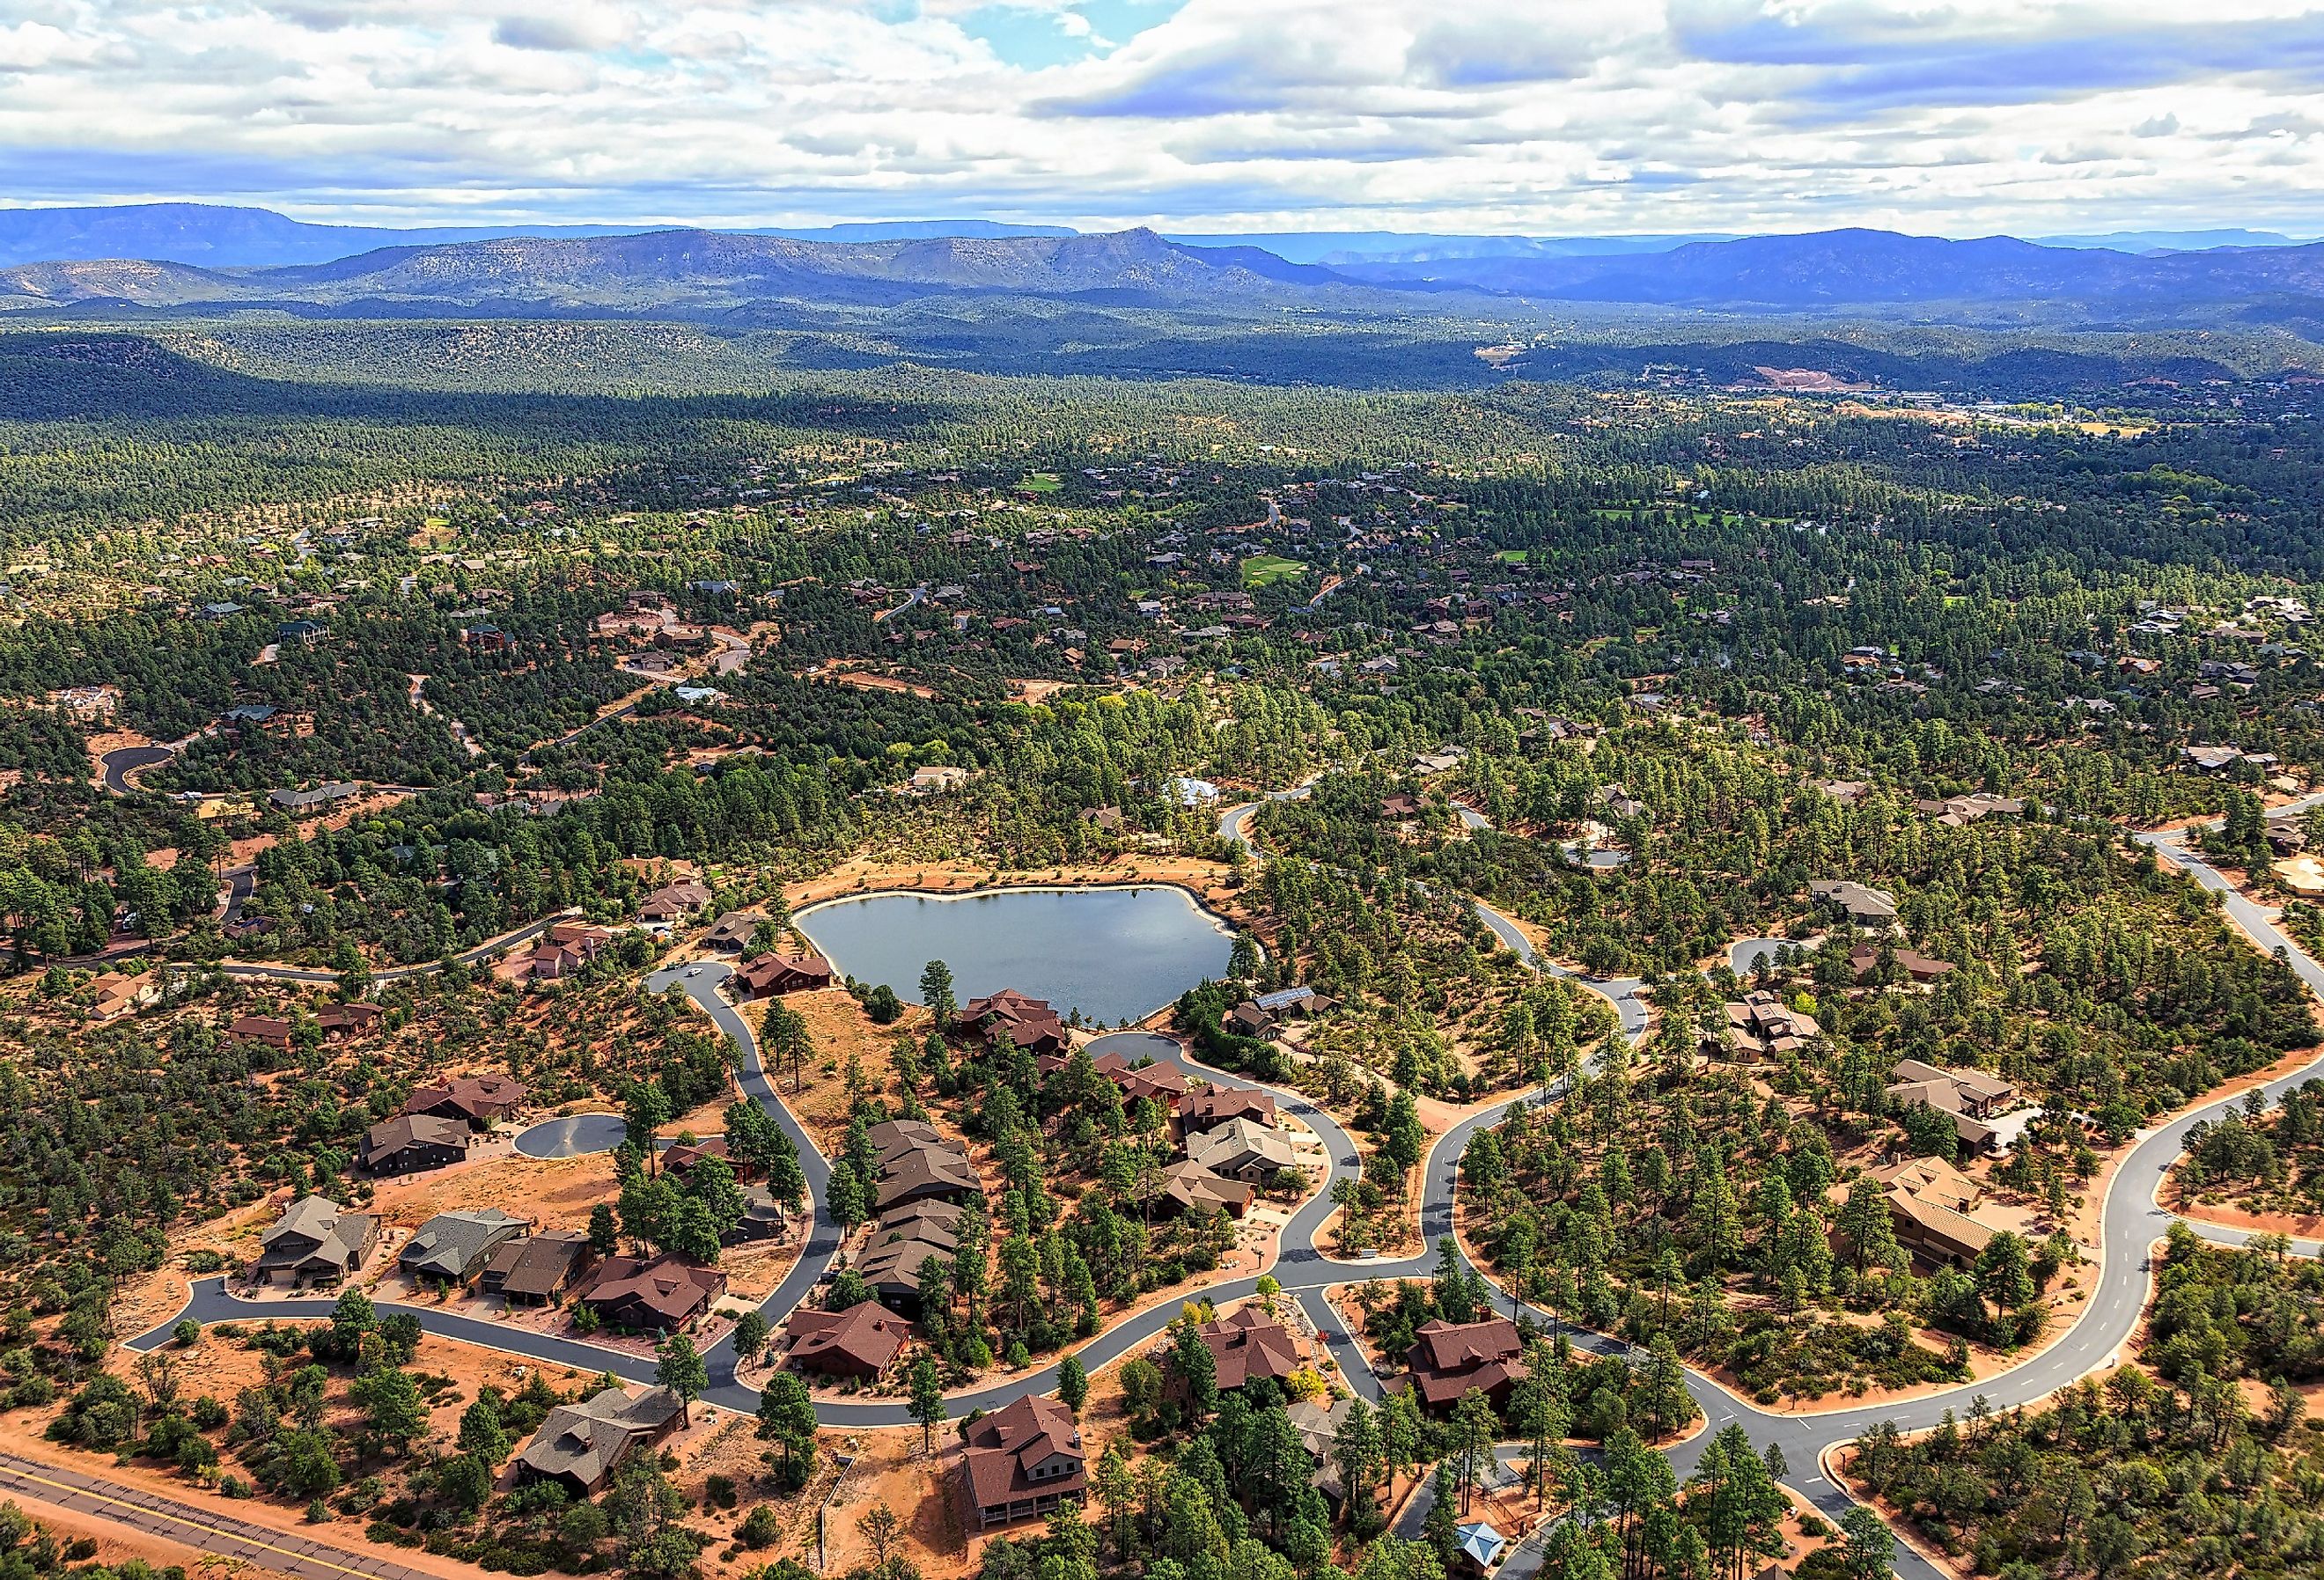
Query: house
{"x": 861, "y": 1342}
{"x": 1296, "y": 1003}
{"x": 1247, "y": 1020}
{"x": 1864, "y": 960}
{"x": 1448, "y": 1359}
{"x": 1318, "y": 1422}
{"x": 1401, "y": 805}
{"x": 296, "y": 801}
{"x": 536, "y": 1270}
{"x": 478, "y": 1101}
{"x": 1207, "y": 1107}
{"x": 1930, "y": 1204}
{"x": 663, "y": 1294}
{"x": 674, "y": 902}
{"x": 580, "y": 1446}
{"x": 1021, "y": 1463}
{"x": 339, "y": 1021}
{"x": 315, "y": 1243}
{"x": 774, "y": 975}
{"x": 764, "y": 1218}
{"x": 1762, "y": 1026}
{"x": 917, "y": 1164}
{"x": 1252, "y": 1344}
{"x": 1873, "y": 910}
{"x": 568, "y": 946}
{"x": 116, "y": 993}
{"x": 1959, "y": 811}
{"x": 906, "y": 1238}
{"x": 679, "y": 1158}
{"x": 1972, "y": 1097}
{"x": 1189, "y": 1187}
{"x": 1160, "y": 1083}
{"x": 730, "y": 933}
{"x": 452, "y": 1248}
{"x": 937, "y": 778}
{"x": 272, "y": 1031}
{"x": 1012, "y": 1017}
{"x": 410, "y": 1143}
{"x": 1242, "y": 1150}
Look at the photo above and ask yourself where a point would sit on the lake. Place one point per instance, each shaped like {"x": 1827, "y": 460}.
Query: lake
{"x": 1112, "y": 954}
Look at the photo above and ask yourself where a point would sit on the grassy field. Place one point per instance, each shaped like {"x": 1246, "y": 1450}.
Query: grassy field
{"x": 1513, "y": 556}
{"x": 1041, "y": 483}
{"x": 1266, "y": 569}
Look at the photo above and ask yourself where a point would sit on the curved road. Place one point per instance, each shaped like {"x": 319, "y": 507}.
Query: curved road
{"x": 2132, "y": 1222}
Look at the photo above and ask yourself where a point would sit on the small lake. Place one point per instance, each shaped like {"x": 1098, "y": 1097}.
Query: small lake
{"x": 1112, "y": 954}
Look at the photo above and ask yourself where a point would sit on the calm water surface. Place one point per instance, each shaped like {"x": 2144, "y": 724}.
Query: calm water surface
{"x": 1112, "y": 954}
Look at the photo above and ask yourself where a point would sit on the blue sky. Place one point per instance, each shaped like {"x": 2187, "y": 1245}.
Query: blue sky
{"x": 1546, "y": 116}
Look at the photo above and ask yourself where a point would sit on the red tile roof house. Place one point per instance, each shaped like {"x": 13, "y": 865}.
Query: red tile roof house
{"x": 272, "y": 1029}
{"x": 1021, "y": 1463}
{"x": 1447, "y": 1360}
{"x": 674, "y": 901}
{"x": 665, "y": 1294}
{"x": 773, "y": 975}
{"x": 861, "y": 1342}
{"x": 478, "y": 1101}
{"x": 1012, "y": 1017}
{"x": 1162, "y": 1082}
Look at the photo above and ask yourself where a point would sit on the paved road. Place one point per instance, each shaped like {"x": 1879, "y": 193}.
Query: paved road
{"x": 481, "y": 953}
{"x": 122, "y": 761}
{"x": 204, "y": 1530}
{"x": 2132, "y": 1222}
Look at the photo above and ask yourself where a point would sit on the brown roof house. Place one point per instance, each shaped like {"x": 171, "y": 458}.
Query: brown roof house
{"x": 861, "y": 1342}
{"x": 579, "y": 1446}
{"x": 773, "y": 975}
{"x": 1864, "y": 961}
{"x": 907, "y": 1237}
{"x": 410, "y": 1143}
{"x": 339, "y": 1021}
{"x": 478, "y": 1101}
{"x": 1189, "y": 1187}
{"x": 1242, "y": 1150}
{"x": 1021, "y": 1463}
{"x": 917, "y": 1164}
{"x": 1207, "y": 1107}
{"x": 730, "y": 933}
{"x": 674, "y": 901}
{"x": 1929, "y": 1205}
{"x": 1252, "y": 1344}
{"x": 666, "y": 1294}
{"x": 116, "y": 993}
{"x": 271, "y": 1029}
{"x": 315, "y": 1241}
{"x": 1762, "y": 1026}
{"x": 1448, "y": 1359}
{"x": 536, "y": 1270}
{"x": 1973, "y": 1098}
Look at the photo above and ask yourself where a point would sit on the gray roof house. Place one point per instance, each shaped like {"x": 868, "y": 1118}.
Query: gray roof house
{"x": 1868, "y": 908}
{"x": 315, "y": 1241}
{"x": 579, "y": 1444}
{"x": 452, "y": 1248}
{"x": 1241, "y": 1150}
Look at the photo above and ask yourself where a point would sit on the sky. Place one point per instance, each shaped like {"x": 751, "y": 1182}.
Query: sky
{"x": 1957, "y": 117}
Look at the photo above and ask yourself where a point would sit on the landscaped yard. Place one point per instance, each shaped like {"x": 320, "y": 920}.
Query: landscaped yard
{"x": 1266, "y": 569}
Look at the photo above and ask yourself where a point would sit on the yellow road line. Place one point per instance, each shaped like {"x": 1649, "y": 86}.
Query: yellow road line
{"x": 165, "y": 1513}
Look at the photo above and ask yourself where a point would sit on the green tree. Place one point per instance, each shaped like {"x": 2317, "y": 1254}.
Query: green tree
{"x": 937, "y": 992}
{"x": 1072, "y": 1382}
{"x": 927, "y": 1405}
{"x": 680, "y": 1369}
{"x": 787, "y": 1420}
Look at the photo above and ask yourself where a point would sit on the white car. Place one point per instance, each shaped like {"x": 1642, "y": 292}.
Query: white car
{"x": 694, "y": 971}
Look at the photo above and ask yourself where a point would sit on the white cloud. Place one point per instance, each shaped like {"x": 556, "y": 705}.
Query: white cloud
{"x": 1547, "y": 115}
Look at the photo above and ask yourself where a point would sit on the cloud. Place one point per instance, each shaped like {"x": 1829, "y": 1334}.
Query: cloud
{"x": 1545, "y": 116}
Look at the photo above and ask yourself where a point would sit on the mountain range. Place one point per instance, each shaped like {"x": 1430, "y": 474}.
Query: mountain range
{"x": 750, "y": 278}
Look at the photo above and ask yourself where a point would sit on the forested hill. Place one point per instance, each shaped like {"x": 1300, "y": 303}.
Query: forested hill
{"x": 757, "y": 279}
